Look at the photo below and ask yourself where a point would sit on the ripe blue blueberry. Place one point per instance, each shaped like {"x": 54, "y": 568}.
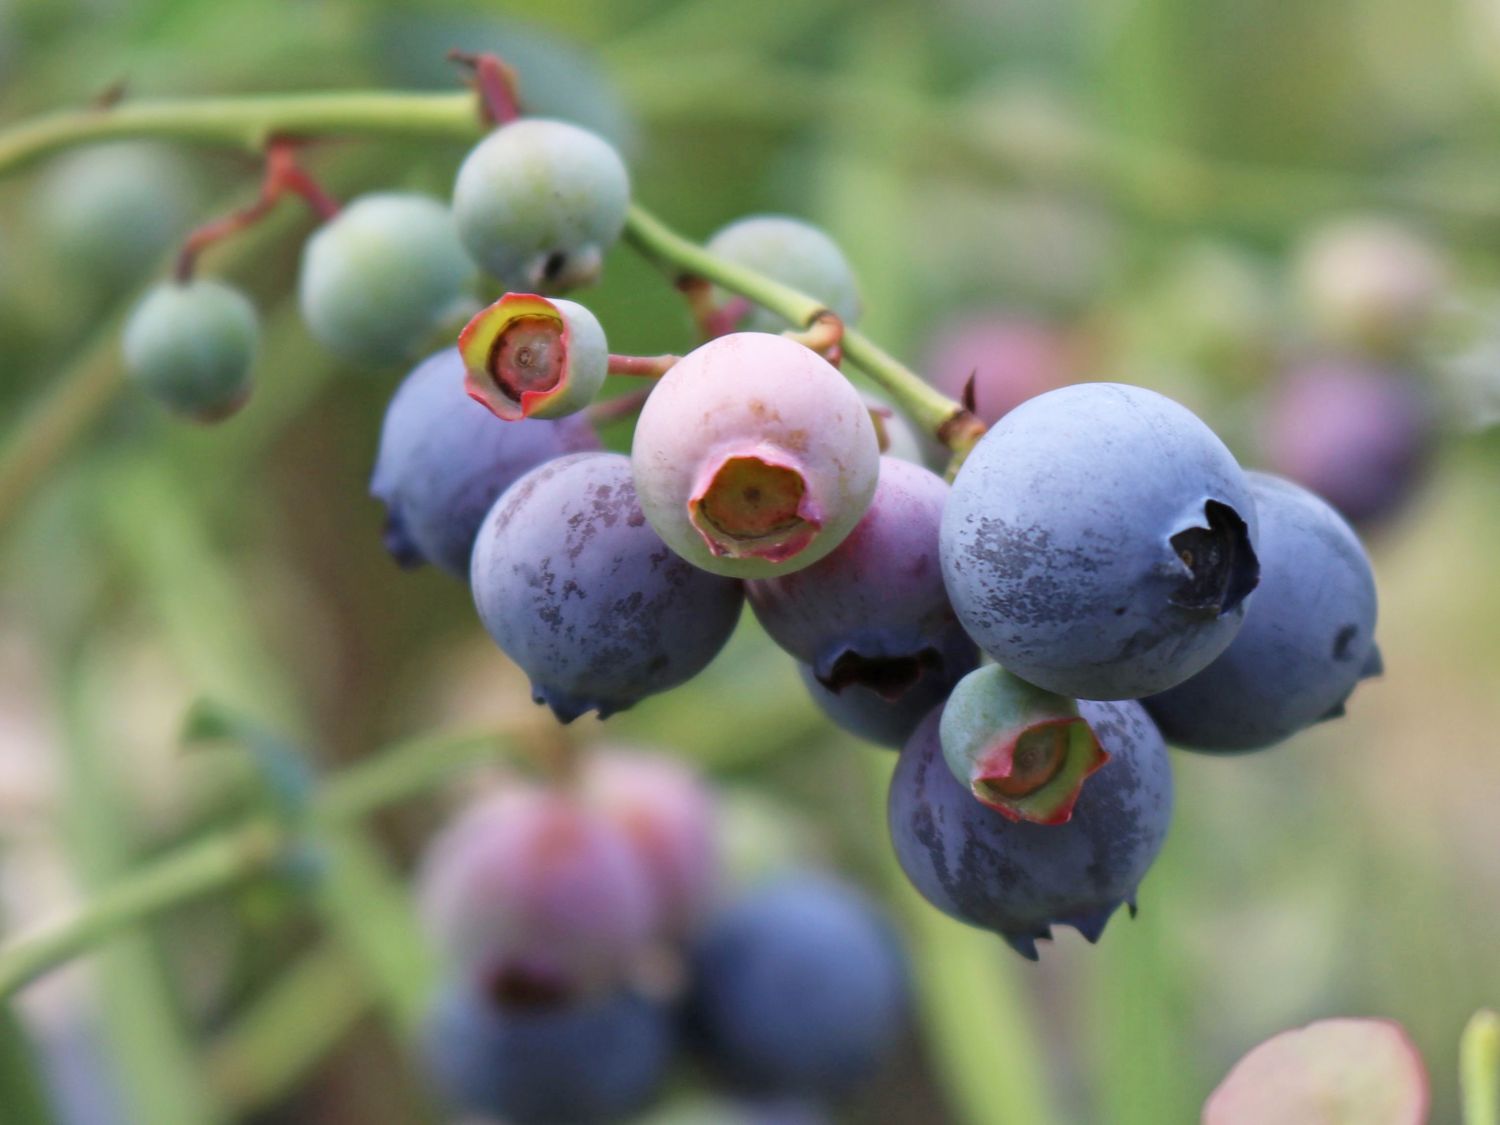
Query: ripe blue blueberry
{"x": 865, "y": 713}
{"x": 538, "y": 202}
{"x": 191, "y": 347}
{"x": 1099, "y": 542}
{"x": 577, "y": 1064}
{"x": 795, "y": 253}
{"x": 1020, "y": 879}
{"x": 873, "y": 610}
{"x": 799, "y": 988}
{"x": 380, "y": 276}
{"x": 444, "y": 459}
{"x": 576, "y": 588}
{"x": 1308, "y": 637}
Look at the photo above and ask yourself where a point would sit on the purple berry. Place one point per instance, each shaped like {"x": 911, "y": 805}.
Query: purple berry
{"x": 799, "y": 988}
{"x": 591, "y": 1062}
{"x": 754, "y": 456}
{"x": 576, "y": 588}
{"x": 529, "y": 357}
{"x": 1358, "y": 436}
{"x": 1099, "y": 542}
{"x": 872, "y": 611}
{"x": 1021, "y": 879}
{"x": 1009, "y": 358}
{"x": 667, "y": 812}
{"x": 1308, "y": 637}
{"x": 531, "y": 895}
{"x": 444, "y": 459}
{"x": 865, "y": 713}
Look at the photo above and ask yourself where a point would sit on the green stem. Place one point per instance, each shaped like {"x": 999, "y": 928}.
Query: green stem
{"x": 928, "y": 408}
{"x": 270, "y": 1047}
{"x": 21, "y": 1087}
{"x": 216, "y": 862}
{"x": 248, "y": 122}
{"x": 51, "y": 424}
{"x": 1479, "y": 1069}
{"x": 201, "y": 868}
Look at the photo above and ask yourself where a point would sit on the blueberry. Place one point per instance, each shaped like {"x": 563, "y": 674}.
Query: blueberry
{"x": 896, "y": 436}
{"x": 799, "y": 988}
{"x": 596, "y": 1061}
{"x": 1359, "y": 436}
{"x": 380, "y": 276}
{"x": 1009, "y": 358}
{"x": 794, "y": 253}
{"x": 667, "y": 812}
{"x": 191, "y": 347}
{"x": 110, "y": 212}
{"x": 444, "y": 459}
{"x": 873, "y": 610}
{"x": 865, "y": 713}
{"x": 1099, "y": 542}
{"x": 754, "y": 456}
{"x": 575, "y": 586}
{"x": 1020, "y": 879}
{"x": 1308, "y": 637}
{"x": 532, "y": 894}
{"x": 1022, "y": 751}
{"x": 528, "y": 357}
{"x": 538, "y": 202}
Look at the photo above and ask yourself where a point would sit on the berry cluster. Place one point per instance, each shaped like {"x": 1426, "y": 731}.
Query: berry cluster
{"x": 1100, "y": 573}
{"x": 588, "y": 938}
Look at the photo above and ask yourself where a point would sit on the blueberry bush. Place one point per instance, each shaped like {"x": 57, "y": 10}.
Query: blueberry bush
{"x": 394, "y": 448}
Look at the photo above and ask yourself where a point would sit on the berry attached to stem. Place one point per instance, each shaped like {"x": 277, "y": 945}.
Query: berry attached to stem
{"x": 1022, "y": 751}
{"x": 528, "y": 356}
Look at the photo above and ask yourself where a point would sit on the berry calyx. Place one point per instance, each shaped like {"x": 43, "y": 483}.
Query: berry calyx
{"x": 528, "y": 356}
{"x": 1022, "y": 751}
{"x": 755, "y": 506}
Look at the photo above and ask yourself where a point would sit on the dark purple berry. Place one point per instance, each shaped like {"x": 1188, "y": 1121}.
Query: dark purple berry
{"x": 1358, "y": 436}
{"x": 579, "y": 1064}
{"x": 874, "y": 610}
{"x": 1308, "y": 637}
{"x": 1020, "y": 879}
{"x": 865, "y": 713}
{"x": 444, "y": 459}
{"x": 575, "y": 587}
{"x": 799, "y": 988}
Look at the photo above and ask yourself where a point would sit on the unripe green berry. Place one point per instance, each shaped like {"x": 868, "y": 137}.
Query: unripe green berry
{"x": 796, "y": 254}
{"x": 191, "y": 345}
{"x": 538, "y": 203}
{"x": 381, "y": 276}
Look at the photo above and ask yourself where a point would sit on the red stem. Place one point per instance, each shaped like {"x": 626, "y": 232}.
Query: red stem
{"x": 497, "y": 84}
{"x": 642, "y": 366}
{"x": 283, "y": 176}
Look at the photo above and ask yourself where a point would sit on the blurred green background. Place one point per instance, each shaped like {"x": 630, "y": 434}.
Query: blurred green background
{"x": 1142, "y": 171}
